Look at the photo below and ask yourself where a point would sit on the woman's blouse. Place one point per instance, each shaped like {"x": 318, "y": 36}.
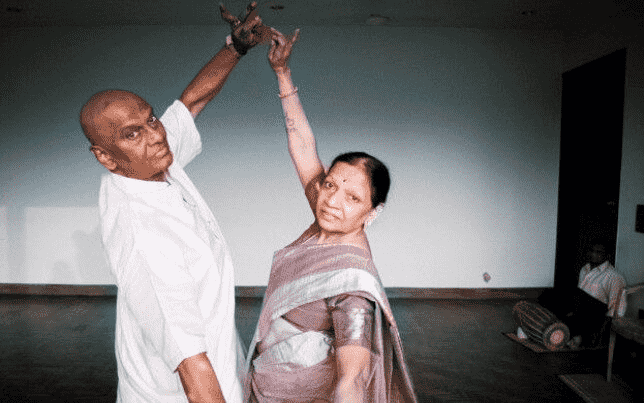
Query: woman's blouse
{"x": 348, "y": 317}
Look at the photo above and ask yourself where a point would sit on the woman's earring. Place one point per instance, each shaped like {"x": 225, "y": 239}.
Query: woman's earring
{"x": 373, "y": 215}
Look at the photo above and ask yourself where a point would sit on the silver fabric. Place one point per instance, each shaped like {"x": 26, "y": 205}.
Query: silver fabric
{"x": 357, "y": 323}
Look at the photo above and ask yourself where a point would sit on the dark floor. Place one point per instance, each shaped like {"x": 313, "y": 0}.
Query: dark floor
{"x": 60, "y": 349}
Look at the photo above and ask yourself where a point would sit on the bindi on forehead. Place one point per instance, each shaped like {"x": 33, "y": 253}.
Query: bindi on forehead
{"x": 349, "y": 175}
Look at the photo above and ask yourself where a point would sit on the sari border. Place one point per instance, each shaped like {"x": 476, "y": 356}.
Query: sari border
{"x": 325, "y": 285}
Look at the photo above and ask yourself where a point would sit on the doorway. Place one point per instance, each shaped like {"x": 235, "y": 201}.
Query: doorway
{"x": 590, "y": 161}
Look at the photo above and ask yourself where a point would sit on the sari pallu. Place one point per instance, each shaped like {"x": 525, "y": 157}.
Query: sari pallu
{"x": 287, "y": 363}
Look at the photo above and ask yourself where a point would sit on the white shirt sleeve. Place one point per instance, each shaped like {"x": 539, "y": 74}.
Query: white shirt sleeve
{"x": 163, "y": 297}
{"x": 183, "y": 136}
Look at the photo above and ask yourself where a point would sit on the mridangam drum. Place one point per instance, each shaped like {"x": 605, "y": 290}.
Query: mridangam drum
{"x": 540, "y": 325}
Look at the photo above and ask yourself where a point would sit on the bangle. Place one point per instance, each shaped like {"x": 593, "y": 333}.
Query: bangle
{"x": 289, "y": 94}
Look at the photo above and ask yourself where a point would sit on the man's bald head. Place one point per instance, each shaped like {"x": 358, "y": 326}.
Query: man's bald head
{"x": 126, "y": 137}
{"x": 93, "y": 112}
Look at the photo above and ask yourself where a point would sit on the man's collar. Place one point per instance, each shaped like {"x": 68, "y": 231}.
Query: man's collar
{"x": 602, "y": 267}
{"x": 134, "y": 186}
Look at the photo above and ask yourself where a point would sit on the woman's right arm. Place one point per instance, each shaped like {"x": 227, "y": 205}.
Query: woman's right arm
{"x": 353, "y": 319}
{"x": 301, "y": 141}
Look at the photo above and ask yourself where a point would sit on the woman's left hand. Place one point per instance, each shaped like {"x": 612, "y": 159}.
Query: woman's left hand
{"x": 281, "y": 49}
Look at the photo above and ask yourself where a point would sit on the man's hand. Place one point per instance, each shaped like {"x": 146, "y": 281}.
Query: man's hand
{"x": 281, "y": 49}
{"x": 248, "y": 32}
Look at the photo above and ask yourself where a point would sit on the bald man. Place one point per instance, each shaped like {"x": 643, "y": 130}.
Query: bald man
{"x": 176, "y": 339}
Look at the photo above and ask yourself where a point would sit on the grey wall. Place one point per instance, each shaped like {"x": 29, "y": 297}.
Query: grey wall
{"x": 466, "y": 120}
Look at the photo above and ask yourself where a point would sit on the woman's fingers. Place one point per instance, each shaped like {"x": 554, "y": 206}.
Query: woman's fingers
{"x": 281, "y": 46}
{"x": 271, "y": 52}
{"x": 278, "y": 37}
{"x": 277, "y": 46}
{"x": 295, "y": 35}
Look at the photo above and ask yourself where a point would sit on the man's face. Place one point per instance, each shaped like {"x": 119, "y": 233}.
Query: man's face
{"x": 596, "y": 255}
{"x": 134, "y": 139}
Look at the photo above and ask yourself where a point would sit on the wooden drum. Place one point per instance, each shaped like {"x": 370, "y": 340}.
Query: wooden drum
{"x": 541, "y": 325}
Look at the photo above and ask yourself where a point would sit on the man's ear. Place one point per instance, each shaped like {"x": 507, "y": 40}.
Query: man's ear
{"x": 104, "y": 157}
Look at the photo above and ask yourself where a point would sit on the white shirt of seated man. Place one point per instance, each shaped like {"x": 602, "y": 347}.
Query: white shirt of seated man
{"x": 599, "y": 279}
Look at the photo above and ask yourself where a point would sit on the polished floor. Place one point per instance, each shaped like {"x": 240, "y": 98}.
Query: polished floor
{"x": 60, "y": 349}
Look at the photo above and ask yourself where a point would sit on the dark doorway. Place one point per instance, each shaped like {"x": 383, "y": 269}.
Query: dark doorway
{"x": 591, "y": 155}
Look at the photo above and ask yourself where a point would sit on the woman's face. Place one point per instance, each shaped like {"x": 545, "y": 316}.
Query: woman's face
{"x": 344, "y": 199}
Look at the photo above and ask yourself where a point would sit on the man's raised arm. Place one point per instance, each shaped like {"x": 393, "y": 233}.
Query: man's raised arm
{"x": 197, "y": 375}
{"x": 206, "y": 85}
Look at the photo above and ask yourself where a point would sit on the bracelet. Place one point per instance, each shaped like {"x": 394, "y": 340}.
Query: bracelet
{"x": 231, "y": 45}
{"x": 289, "y": 94}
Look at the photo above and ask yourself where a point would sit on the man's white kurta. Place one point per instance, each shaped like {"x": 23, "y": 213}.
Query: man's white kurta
{"x": 174, "y": 274}
{"x": 605, "y": 284}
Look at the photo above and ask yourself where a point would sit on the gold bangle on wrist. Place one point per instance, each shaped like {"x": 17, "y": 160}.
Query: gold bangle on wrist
{"x": 289, "y": 94}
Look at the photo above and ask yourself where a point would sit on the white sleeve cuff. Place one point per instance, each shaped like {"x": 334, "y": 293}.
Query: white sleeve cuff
{"x": 181, "y": 346}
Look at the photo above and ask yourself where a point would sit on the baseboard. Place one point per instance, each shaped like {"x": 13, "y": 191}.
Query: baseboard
{"x": 258, "y": 291}
{"x": 430, "y": 293}
{"x": 59, "y": 289}
{"x": 464, "y": 293}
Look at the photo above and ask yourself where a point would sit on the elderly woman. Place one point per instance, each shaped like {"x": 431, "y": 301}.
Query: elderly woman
{"x": 326, "y": 332}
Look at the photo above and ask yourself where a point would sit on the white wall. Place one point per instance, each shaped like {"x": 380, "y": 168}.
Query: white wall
{"x": 67, "y": 250}
{"x": 630, "y": 244}
{"x": 4, "y": 243}
{"x": 467, "y": 121}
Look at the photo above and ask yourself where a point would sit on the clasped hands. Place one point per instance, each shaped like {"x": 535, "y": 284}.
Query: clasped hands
{"x": 250, "y": 31}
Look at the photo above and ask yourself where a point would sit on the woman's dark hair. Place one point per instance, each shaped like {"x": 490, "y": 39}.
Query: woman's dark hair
{"x": 376, "y": 171}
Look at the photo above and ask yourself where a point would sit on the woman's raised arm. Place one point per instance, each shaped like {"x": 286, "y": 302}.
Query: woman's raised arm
{"x": 301, "y": 141}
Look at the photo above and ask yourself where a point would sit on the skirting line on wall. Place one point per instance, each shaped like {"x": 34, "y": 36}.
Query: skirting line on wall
{"x": 257, "y": 292}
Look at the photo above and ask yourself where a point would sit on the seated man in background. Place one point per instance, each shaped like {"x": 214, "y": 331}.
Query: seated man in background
{"x": 585, "y": 308}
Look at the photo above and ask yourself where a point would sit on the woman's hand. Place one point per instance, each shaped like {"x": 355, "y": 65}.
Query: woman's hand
{"x": 281, "y": 49}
